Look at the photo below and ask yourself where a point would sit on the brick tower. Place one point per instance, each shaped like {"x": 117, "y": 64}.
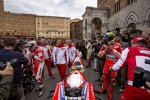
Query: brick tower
{"x": 1, "y": 16}
{"x": 1, "y": 6}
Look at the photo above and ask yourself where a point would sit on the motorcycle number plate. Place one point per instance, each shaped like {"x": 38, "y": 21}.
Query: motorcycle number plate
{"x": 73, "y": 98}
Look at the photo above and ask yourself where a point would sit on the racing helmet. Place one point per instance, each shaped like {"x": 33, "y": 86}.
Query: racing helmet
{"x": 109, "y": 36}
{"x": 77, "y": 65}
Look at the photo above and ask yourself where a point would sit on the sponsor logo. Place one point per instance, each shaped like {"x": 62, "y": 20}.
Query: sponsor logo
{"x": 145, "y": 51}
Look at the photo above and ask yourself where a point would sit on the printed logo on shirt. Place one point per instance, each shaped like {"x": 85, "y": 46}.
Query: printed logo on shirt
{"x": 145, "y": 51}
{"x": 57, "y": 50}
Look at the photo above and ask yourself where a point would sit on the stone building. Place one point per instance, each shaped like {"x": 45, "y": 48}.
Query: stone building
{"x": 31, "y": 26}
{"x": 127, "y": 13}
{"x": 52, "y": 27}
{"x": 16, "y": 24}
{"x": 75, "y": 20}
{"x": 1, "y": 16}
{"x": 19, "y": 25}
{"x": 123, "y": 14}
{"x": 94, "y": 22}
{"x": 76, "y": 30}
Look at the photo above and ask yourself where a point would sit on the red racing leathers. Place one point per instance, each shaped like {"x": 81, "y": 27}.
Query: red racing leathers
{"x": 135, "y": 57}
{"x": 111, "y": 59}
{"x": 47, "y": 55}
{"x": 39, "y": 63}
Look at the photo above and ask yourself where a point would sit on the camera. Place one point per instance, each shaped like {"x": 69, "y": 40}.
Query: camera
{"x": 141, "y": 76}
{"x": 3, "y": 65}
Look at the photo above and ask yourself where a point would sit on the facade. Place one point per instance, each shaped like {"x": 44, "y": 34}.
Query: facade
{"x": 127, "y": 13}
{"x": 76, "y": 30}
{"x": 31, "y": 26}
{"x": 122, "y": 14}
{"x": 19, "y": 25}
{"x": 94, "y": 22}
{"x": 52, "y": 27}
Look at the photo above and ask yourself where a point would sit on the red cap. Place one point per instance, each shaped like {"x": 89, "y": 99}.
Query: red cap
{"x": 138, "y": 39}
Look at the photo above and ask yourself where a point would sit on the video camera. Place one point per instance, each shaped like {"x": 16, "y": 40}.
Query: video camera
{"x": 3, "y": 65}
{"x": 141, "y": 76}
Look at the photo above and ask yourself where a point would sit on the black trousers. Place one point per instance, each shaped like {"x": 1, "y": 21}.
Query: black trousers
{"x": 100, "y": 66}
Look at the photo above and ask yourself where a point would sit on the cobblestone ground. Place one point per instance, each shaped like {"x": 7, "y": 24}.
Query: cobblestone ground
{"x": 91, "y": 76}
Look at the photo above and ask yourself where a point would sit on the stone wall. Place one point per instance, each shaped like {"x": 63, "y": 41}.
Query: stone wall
{"x": 136, "y": 12}
{"x": 88, "y": 16}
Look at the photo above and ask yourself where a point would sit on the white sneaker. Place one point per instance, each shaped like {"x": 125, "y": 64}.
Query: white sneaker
{"x": 40, "y": 93}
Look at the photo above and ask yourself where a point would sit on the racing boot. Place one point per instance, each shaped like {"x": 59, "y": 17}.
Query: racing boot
{"x": 104, "y": 84}
{"x": 40, "y": 90}
{"x": 40, "y": 93}
{"x": 111, "y": 87}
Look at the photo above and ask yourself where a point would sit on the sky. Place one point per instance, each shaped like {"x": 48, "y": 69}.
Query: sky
{"x": 63, "y": 8}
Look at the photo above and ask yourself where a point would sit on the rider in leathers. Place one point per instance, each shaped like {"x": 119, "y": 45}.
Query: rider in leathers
{"x": 39, "y": 63}
{"x": 113, "y": 51}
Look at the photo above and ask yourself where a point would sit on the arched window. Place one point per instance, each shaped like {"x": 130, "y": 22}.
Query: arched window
{"x": 131, "y": 26}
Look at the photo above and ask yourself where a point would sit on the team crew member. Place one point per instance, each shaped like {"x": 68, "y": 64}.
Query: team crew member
{"x": 47, "y": 58}
{"x": 71, "y": 52}
{"x": 135, "y": 57}
{"x": 39, "y": 63}
{"x": 60, "y": 58}
{"x": 112, "y": 51}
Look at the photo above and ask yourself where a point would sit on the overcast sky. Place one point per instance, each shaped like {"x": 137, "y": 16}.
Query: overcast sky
{"x": 65, "y": 8}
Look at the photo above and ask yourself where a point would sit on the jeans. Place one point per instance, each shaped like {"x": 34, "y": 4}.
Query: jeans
{"x": 95, "y": 63}
{"x": 100, "y": 67}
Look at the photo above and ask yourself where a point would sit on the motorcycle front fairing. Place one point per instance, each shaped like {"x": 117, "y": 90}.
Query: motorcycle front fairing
{"x": 87, "y": 92}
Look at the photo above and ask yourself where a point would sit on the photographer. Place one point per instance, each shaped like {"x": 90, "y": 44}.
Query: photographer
{"x": 136, "y": 57}
{"x": 6, "y": 55}
{"x": 6, "y": 82}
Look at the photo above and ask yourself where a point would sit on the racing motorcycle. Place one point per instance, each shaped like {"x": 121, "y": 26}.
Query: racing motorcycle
{"x": 75, "y": 86}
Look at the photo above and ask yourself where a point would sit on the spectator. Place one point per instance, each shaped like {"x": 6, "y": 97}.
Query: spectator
{"x": 6, "y": 82}
{"x": 134, "y": 33}
{"x": 89, "y": 51}
{"x": 125, "y": 39}
{"x": 146, "y": 35}
{"x": 8, "y": 54}
{"x": 101, "y": 60}
{"x": 95, "y": 50}
{"x": 117, "y": 31}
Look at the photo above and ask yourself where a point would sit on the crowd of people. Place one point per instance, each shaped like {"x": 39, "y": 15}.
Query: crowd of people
{"x": 119, "y": 58}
